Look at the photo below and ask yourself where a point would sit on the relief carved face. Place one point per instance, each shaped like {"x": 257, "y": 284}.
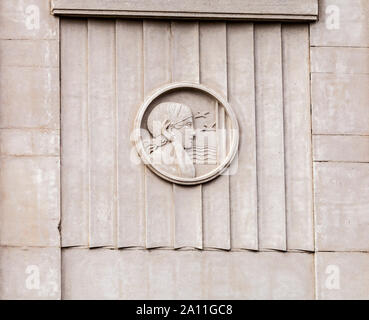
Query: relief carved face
{"x": 173, "y": 122}
{"x": 172, "y": 129}
{"x": 187, "y": 133}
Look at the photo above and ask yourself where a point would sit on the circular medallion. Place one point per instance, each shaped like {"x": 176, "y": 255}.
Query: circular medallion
{"x": 186, "y": 133}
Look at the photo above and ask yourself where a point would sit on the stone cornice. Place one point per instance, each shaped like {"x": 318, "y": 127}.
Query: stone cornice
{"x": 249, "y": 10}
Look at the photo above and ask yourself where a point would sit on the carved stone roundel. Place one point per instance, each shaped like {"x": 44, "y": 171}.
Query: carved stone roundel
{"x": 186, "y": 133}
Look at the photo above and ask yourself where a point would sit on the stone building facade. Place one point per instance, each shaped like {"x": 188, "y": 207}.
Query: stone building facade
{"x": 81, "y": 217}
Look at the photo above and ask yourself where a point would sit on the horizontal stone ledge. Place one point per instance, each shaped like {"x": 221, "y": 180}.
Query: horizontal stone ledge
{"x": 249, "y": 10}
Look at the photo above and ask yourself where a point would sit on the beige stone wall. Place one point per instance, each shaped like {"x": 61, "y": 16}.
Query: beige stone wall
{"x": 340, "y": 109}
{"x": 32, "y": 263}
{"x": 29, "y": 151}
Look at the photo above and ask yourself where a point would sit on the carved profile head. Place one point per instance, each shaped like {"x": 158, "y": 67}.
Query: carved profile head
{"x": 169, "y": 121}
{"x": 165, "y": 134}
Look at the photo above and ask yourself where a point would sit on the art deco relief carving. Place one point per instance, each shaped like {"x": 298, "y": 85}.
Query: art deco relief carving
{"x": 186, "y": 133}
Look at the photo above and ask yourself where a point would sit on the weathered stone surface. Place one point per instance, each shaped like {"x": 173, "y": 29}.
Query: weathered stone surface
{"x": 29, "y": 203}
{"x": 91, "y": 273}
{"x": 27, "y": 19}
{"x": 96, "y": 144}
{"x": 215, "y": 194}
{"x": 187, "y": 200}
{"x": 340, "y": 104}
{"x": 131, "y": 219}
{"x": 29, "y": 273}
{"x": 158, "y": 193}
{"x": 223, "y": 58}
{"x": 341, "y": 23}
{"x": 270, "y": 137}
{"x": 102, "y": 132}
{"x": 188, "y": 217}
{"x": 339, "y": 60}
{"x": 29, "y": 97}
{"x": 241, "y": 95}
{"x": 27, "y": 142}
{"x": 29, "y": 183}
{"x": 29, "y": 53}
{"x": 297, "y": 138}
{"x": 342, "y": 275}
{"x": 342, "y": 206}
{"x": 306, "y": 10}
{"x": 341, "y": 148}
{"x": 165, "y": 274}
{"x": 74, "y": 133}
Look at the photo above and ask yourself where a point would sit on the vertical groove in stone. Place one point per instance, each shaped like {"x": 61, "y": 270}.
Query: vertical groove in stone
{"x": 74, "y": 137}
{"x": 159, "y": 193}
{"x": 101, "y": 101}
{"x": 297, "y": 127}
{"x": 116, "y": 143}
{"x": 241, "y": 89}
{"x": 213, "y": 69}
{"x": 131, "y": 215}
{"x": 187, "y": 199}
{"x": 270, "y": 137}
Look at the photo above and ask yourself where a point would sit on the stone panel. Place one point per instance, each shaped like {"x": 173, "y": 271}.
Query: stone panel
{"x": 29, "y": 273}
{"x": 29, "y": 53}
{"x": 342, "y": 275}
{"x": 187, "y": 200}
{"x": 215, "y": 194}
{"x": 334, "y": 148}
{"x": 131, "y": 174}
{"x": 158, "y": 193}
{"x": 29, "y": 142}
{"x": 241, "y": 92}
{"x": 340, "y": 60}
{"x": 29, "y": 97}
{"x": 27, "y": 19}
{"x": 341, "y": 23}
{"x": 270, "y": 137}
{"x": 166, "y": 274}
{"x": 297, "y": 141}
{"x": 90, "y": 274}
{"x": 102, "y": 132}
{"x": 342, "y": 206}
{"x": 340, "y": 104}
{"x": 29, "y": 203}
